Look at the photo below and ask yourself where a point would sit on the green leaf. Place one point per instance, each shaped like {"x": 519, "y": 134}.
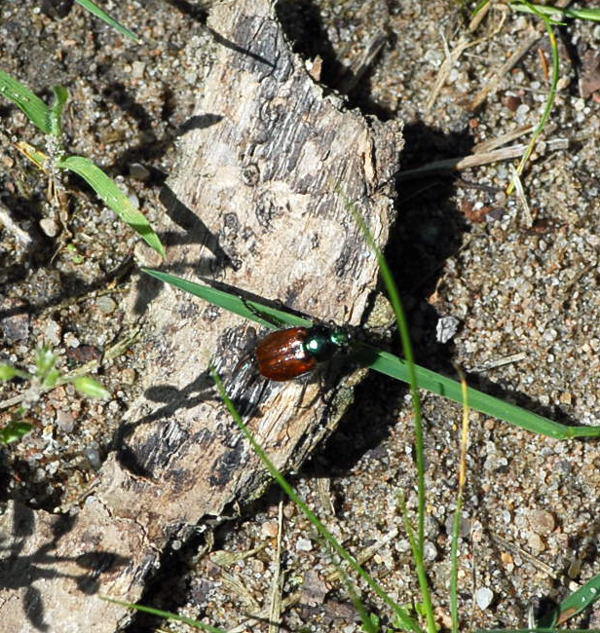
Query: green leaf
{"x": 61, "y": 96}
{"x": 113, "y": 197}
{"x": 8, "y": 372}
{"x": 14, "y": 431}
{"x": 579, "y": 600}
{"x": 100, "y": 13}
{"x": 90, "y": 387}
{"x": 33, "y": 107}
{"x": 448, "y": 388}
{"x": 45, "y": 361}
{"x": 51, "y": 378}
{"x": 556, "y": 13}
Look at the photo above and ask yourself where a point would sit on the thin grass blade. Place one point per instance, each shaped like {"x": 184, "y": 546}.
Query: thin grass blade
{"x": 100, "y": 13}
{"x": 232, "y": 302}
{"x": 407, "y": 621}
{"x": 396, "y": 367}
{"x": 166, "y": 614}
{"x": 114, "y": 198}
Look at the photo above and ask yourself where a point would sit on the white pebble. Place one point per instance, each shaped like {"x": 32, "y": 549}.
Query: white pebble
{"x": 484, "y": 597}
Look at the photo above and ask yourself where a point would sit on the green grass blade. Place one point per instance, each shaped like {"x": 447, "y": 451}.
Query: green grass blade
{"x": 90, "y": 387}
{"x": 396, "y": 367}
{"x": 418, "y": 543}
{"x": 547, "y": 108}
{"x": 584, "y": 14}
{"x": 14, "y": 431}
{"x": 537, "y": 630}
{"x": 114, "y": 198}
{"x": 8, "y": 372}
{"x": 579, "y": 600}
{"x": 229, "y": 301}
{"x": 166, "y": 614}
{"x": 390, "y": 365}
{"x": 556, "y": 13}
{"x": 479, "y": 7}
{"x": 458, "y": 512}
{"x": 399, "y": 611}
{"x": 100, "y": 13}
{"x": 33, "y": 107}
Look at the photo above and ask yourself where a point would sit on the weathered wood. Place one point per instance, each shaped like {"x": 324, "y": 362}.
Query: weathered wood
{"x": 259, "y": 203}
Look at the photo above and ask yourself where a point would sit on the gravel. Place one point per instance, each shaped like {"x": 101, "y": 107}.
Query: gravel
{"x": 521, "y": 286}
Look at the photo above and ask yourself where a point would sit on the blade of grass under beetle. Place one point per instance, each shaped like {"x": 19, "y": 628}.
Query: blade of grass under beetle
{"x": 391, "y": 365}
{"x": 229, "y": 301}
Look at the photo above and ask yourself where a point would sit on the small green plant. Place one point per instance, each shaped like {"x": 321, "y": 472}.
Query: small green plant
{"x": 44, "y": 377}
{"x": 49, "y": 120}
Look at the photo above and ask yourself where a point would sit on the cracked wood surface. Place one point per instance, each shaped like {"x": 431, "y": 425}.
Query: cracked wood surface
{"x": 268, "y": 164}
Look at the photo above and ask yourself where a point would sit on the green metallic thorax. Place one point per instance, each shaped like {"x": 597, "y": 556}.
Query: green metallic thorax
{"x": 322, "y": 343}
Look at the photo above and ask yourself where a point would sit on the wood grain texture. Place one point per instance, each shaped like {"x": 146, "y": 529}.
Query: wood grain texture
{"x": 259, "y": 202}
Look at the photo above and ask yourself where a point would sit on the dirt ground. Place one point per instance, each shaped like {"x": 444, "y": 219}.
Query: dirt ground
{"x": 522, "y": 282}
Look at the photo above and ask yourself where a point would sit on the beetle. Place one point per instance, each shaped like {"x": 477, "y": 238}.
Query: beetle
{"x": 292, "y": 352}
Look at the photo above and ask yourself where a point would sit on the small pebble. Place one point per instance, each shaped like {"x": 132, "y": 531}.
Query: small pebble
{"x": 52, "y": 332}
{"x": 50, "y": 227}
{"x": 106, "y": 304}
{"x": 541, "y": 522}
{"x": 71, "y": 340}
{"x": 430, "y": 551}
{"x": 535, "y": 543}
{"x": 446, "y": 329}
{"x": 304, "y": 545}
{"x": 93, "y": 457}
{"x": 269, "y": 529}
{"x": 137, "y": 69}
{"x": 258, "y": 567}
{"x": 83, "y": 354}
{"x": 15, "y": 327}
{"x": 128, "y": 376}
{"x": 139, "y": 172}
{"x": 65, "y": 421}
{"x": 483, "y": 598}
{"x": 465, "y": 526}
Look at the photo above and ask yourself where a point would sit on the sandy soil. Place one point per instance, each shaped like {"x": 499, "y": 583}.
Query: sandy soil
{"x": 522, "y": 282}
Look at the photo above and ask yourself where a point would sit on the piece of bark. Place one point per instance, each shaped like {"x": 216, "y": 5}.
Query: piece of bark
{"x": 260, "y": 202}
